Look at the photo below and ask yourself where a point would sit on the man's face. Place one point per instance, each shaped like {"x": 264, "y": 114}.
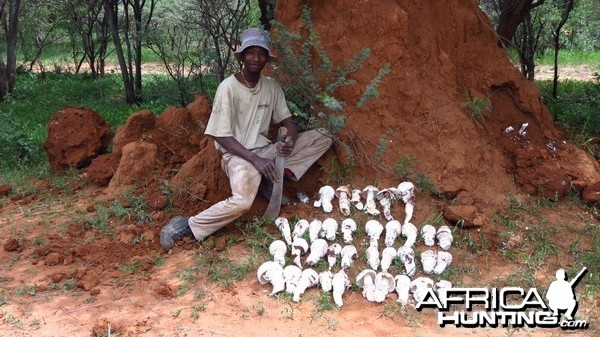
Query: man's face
{"x": 255, "y": 59}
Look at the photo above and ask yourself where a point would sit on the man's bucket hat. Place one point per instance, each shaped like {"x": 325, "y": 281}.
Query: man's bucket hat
{"x": 252, "y": 37}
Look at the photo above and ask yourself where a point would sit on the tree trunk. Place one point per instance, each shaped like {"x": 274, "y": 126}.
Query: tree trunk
{"x": 512, "y": 13}
{"x": 8, "y": 70}
{"x": 267, "y": 13}
{"x": 111, "y": 6}
{"x": 527, "y": 49}
{"x": 565, "y": 17}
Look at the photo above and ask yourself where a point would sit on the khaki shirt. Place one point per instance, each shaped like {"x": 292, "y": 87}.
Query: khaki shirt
{"x": 246, "y": 117}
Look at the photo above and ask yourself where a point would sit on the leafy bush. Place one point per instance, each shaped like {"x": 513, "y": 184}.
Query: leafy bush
{"x": 576, "y": 109}
{"x": 309, "y": 78}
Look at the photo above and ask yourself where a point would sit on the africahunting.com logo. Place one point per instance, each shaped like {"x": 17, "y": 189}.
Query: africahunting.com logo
{"x": 508, "y": 306}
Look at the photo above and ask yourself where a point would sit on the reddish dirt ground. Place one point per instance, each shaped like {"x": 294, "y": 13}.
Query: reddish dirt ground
{"x": 67, "y": 271}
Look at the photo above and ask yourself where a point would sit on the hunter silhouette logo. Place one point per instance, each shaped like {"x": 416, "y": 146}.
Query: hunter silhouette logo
{"x": 561, "y": 294}
{"x": 508, "y": 306}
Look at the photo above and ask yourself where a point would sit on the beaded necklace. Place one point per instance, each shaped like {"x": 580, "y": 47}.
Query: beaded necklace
{"x": 253, "y": 90}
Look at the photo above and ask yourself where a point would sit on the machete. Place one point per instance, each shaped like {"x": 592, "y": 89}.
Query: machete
{"x": 275, "y": 202}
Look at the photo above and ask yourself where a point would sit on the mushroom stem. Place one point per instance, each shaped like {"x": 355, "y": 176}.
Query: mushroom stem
{"x": 355, "y": 200}
{"x": 340, "y": 282}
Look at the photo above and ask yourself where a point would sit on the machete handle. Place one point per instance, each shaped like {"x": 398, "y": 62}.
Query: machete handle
{"x": 282, "y": 134}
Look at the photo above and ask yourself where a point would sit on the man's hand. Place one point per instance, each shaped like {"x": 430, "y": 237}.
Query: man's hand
{"x": 266, "y": 167}
{"x": 285, "y": 149}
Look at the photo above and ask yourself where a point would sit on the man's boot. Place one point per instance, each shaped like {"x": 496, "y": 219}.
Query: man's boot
{"x": 175, "y": 230}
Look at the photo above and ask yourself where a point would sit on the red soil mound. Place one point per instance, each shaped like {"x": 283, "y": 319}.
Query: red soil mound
{"x": 439, "y": 53}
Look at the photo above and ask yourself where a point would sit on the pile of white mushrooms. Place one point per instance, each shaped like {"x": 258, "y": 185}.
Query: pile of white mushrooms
{"x": 328, "y": 245}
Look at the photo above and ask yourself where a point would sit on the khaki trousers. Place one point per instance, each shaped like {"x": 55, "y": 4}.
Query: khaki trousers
{"x": 244, "y": 180}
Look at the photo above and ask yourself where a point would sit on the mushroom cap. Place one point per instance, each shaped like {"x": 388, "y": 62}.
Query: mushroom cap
{"x": 325, "y": 275}
{"x": 265, "y": 269}
{"x": 373, "y": 227}
{"x": 393, "y": 225}
{"x": 311, "y": 275}
{"x": 385, "y": 193}
{"x": 360, "y": 278}
{"x": 330, "y": 223}
{"x": 421, "y": 281}
{"x": 277, "y": 246}
{"x": 402, "y": 280}
{"x": 369, "y": 189}
{"x": 291, "y": 272}
{"x": 442, "y": 284}
{"x": 349, "y": 250}
{"x": 443, "y": 229}
{"x": 334, "y": 249}
{"x": 300, "y": 243}
{"x": 320, "y": 246}
{"x": 300, "y": 227}
{"x": 405, "y": 186}
{"x": 389, "y": 278}
{"x": 389, "y": 251}
{"x": 342, "y": 189}
{"x": 349, "y": 224}
{"x": 281, "y": 221}
{"x": 327, "y": 190}
{"x": 404, "y": 250}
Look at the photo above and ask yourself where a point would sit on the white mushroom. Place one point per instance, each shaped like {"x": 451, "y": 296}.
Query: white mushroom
{"x": 318, "y": 249}
{"x": 299, "y": 248}
{"x": 369, "y": 194}
{"x": 387, "y": 257}
{"x": 406, "y": 192}
{"x": 384, "y": 284}
{"x": 522, "y": 129}
{"x": 340, "y": 283}
{"x": 402, "y": 288}
{"x": 348, "y": 229}
{"x": 329, "y": 229}
{"x": 392, "y": 229}
{"x": 373, "y": 257}
{"x": 326, "y": 195}
{"x": 332, "y": 252}
{"x": 299, "y": 229}
{"x": 443, "y": 260}
{"x": 385, "y": 197}
{"x": 444, "y": 237}
{"x": 291, "y": 276}
{"x": 309, "y": 278}
{"x": 442, "y": 287}
{"x": 409, "y": 231}
{"x": 271, "y": 272}
{"x": 407, "y": 256}
{"x": 314, "y": 229}
{"x": 373, "y": 228}
{"x": 325, "y": 278}
{"x": 284, "y": 227}
{"x": 366, "y": 280}
{"x": 348, "y": 254}
{"x": 356, "y": 193}
{"x": 428, "y": 234}
{"x": 278, "y": 249}
{"x": 343, "y": 195}
{"x": 419, "y": 288}
{"x": 428, "y": 260}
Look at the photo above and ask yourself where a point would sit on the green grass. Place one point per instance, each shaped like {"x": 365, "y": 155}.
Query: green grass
{"x": 576, "y": 108}
{"x": 35, "y": 99}
{"x": 571, "y": 58}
